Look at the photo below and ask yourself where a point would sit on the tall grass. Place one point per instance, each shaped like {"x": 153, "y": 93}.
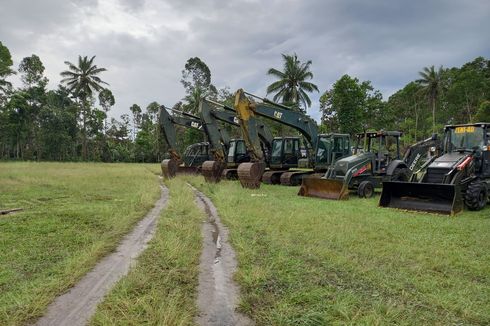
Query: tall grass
{"x": 74, "y": 214}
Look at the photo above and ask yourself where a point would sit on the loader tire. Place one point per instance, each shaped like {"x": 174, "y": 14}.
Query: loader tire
{"x": 365, "y": 189}
{"x": 476, "y": 195}
{"x": 400, "y": 174}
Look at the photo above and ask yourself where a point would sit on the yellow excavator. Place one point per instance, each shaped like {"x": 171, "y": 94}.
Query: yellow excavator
{"x": 322, "y": 149}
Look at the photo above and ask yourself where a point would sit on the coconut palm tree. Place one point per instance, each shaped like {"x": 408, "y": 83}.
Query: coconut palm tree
{"x": 83, "y": 81}
{"x": 292, "y": 85}
{"x": 431, "y": 83}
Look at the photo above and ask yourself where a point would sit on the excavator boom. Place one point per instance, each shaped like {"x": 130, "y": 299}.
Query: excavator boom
{"x": 170, "y": 167}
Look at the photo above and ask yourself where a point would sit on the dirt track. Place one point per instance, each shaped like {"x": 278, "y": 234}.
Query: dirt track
{"x": 79, "y": 304}
{"x": 217, "y": 292}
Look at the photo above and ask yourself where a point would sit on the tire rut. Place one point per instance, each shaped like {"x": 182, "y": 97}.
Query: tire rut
{"x": 217, "y": 292}
{"x": 77, "y": 306}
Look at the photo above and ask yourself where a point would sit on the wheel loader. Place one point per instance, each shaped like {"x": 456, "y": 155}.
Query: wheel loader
{"x": 323, "y": 149}
{"x": 459, "y": 177}
{"x": 376, "y": 159}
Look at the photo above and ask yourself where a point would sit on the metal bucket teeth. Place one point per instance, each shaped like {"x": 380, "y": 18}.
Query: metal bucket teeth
{"x": 250, "y": 174}
{"x": 312, "y": 186}
{"x": 212, "y": 171}
{"x": 169, "y": 168}
{"x": 427, "y": 197}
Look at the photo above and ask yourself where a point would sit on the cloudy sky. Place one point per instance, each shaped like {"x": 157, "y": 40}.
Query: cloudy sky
{"x": 144, "y": 44}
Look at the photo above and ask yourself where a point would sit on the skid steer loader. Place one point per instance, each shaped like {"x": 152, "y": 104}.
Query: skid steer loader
{"x": 458, "y": 178}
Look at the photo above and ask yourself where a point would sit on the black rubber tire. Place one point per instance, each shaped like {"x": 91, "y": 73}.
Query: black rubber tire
{"x": 365, "y": 189}
{"x": 400, "y": 174}
{"x": 476, "y": 195}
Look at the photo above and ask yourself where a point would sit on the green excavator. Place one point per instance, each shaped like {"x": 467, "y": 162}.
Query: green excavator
{"x": 446, "y": 184}
{"x": 376, "y": 159}
{"x": 322, "y": 150}
{"x": 194, "y": 155}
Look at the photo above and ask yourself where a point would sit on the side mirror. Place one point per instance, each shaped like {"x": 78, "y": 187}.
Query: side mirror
{"x": 434, "y": 136}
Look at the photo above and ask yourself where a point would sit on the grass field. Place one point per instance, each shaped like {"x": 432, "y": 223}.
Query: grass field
{"x": 307, "y": 261}
{"x": 73, "y": 215}
{"x": 161, "y": 289}
{"x": 302, "y": 261}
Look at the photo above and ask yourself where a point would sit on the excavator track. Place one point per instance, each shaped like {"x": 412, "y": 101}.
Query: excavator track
{"x": 230, "y": 174}
{"x": 250, "y": 174}
{"x": 212, "y": 171}
{"x": 293, "y": 178}
{"x": 272, "y": 177}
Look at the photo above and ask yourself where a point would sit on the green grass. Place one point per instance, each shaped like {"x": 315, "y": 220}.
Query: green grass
{"x": 74, "y": 214}
{"x": 161, "y": 289}
{"x": 307, "y": 261}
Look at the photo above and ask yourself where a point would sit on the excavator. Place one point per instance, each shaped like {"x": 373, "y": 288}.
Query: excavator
{"x": 373, "y": 163}
{"x": 235, "y": 148}
{"x": 446, "y": 184}
{"x": 193, "y": 156}
{"x": 323, "y": 149}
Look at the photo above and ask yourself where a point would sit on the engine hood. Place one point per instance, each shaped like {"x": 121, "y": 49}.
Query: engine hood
{"x": 347, "y": 163}
{"x": 447, "y": 161}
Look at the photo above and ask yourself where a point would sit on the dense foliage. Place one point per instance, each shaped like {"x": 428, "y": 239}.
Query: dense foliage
{"x": 442, "y": 96}
{"x": 72, "y": 123}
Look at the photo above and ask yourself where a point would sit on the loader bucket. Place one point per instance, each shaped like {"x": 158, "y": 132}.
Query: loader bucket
{"x": 313, "y": 186}
{"x": 426, "y": 197}
{"x": 212, "y": 171}
{"x": 250, "y": 174}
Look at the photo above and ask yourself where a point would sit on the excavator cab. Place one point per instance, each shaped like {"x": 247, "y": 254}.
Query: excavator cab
{"x": 196, "y": 154}
{"x": 330, "y": 148}
{"x": 237, "y": 153}
{"x": 285, "y": 152}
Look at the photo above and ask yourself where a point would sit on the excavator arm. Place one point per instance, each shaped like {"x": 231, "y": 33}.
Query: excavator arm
{"x": 247, "y": 112}
{"x": 247, "y": 109}
{"x": 167, "y": 124}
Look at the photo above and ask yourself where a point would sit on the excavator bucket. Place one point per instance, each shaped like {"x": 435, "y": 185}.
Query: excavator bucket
{"x": 212, "y": 171}
{"x": 250, "y": 174}
{"x": 169, "y": 168}
{"x": 426, "y": 197}
{"x": 314, "y": 186}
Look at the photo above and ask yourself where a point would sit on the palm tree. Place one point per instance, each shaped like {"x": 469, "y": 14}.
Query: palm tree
{"x": 431, "y": 83}
{"x": 193, "y": 99}
{"x": 83, "y": 81}
{"x": 292, "y": 85}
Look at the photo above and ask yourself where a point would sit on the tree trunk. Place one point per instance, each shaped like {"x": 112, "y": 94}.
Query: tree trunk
{"x": 433, "y": 100}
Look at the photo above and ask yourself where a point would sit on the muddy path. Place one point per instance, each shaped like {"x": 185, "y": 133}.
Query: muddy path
{"x": 78, "y": 305}
{"x": 217, "y": 292}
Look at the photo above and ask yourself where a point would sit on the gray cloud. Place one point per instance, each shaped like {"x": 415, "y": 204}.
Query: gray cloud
{"x": 144, "y": 44}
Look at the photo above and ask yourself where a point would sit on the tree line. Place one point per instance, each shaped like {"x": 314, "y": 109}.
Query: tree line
{"x": 71, "y": 122}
